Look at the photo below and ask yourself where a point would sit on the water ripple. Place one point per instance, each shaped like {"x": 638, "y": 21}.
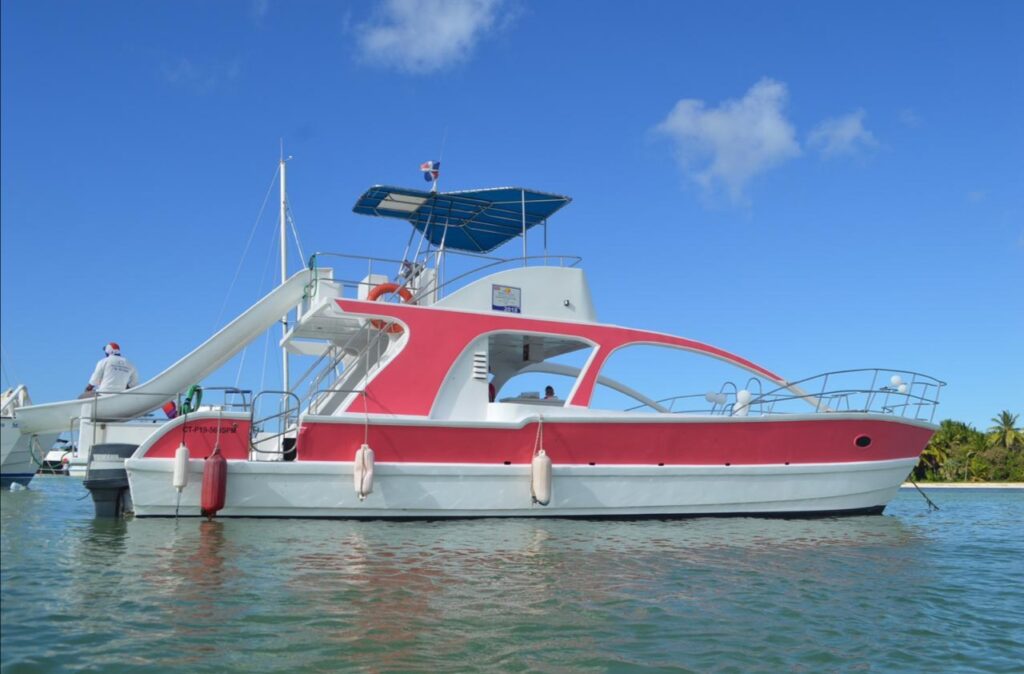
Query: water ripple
{"x": 908, "y": 591}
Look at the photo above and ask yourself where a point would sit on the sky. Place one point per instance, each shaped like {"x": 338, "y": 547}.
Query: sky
{"x": 814, "y": 186}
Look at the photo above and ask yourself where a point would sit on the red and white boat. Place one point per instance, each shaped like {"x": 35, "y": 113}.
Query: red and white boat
{"x": 409, "y": 407}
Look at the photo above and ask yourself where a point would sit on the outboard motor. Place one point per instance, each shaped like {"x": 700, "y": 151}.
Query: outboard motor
{"x": 107, "y": 480}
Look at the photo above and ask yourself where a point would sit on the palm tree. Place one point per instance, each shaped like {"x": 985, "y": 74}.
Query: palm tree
{"x": 1005, "y": 433}
{"x": 952, "y": 433}
{"x": 931, "y": 461}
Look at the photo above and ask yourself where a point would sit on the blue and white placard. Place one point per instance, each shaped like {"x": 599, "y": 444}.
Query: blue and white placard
{"x": 507, "y": 299}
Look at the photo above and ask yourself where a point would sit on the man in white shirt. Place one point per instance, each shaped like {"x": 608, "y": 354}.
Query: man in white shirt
{"x": 113, "y": 373}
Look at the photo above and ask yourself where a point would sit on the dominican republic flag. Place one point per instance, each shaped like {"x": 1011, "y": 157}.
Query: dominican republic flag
{"x": 431, "y": 170}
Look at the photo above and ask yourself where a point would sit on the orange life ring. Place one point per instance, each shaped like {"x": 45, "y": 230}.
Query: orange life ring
{"x": 374, "y": 295}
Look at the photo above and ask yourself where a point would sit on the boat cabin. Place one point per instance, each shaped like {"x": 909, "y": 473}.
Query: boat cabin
{"x": 423, "y": 336}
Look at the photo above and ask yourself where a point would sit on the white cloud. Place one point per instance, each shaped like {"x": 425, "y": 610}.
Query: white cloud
{"x": 736, "y": 140}
{"x": 258, "y": 9}
{"x": 201, "y": 78}
{"x": 909, "y": 118}
{"x": 841, "y": 135}
{"x": 423, "y": 36}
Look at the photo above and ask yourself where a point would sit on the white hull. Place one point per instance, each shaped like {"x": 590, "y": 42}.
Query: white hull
{"x": 20, "y": 453}
{"x": 324, "y": 489}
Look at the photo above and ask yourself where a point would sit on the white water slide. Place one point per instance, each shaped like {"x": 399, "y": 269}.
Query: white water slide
{"x": 205, "y": 359}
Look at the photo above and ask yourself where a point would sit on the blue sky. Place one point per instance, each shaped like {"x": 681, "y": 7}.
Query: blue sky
{"x": 814, "y": 186}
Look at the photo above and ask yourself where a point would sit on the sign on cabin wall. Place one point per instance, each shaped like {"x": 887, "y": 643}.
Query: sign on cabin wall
{"x": 507, "y": 299}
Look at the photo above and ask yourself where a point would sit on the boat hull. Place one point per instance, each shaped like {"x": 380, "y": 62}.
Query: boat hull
{"x": 18, "y": 458}
{"x": 314, "y": 489}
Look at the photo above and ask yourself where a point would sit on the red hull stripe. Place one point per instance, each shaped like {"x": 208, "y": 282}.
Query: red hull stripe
{"x": 200, "y": 435}
{"x": 693, "y": 443}
{"x": 410, "y": 383}
{"x": 747, "y": 443}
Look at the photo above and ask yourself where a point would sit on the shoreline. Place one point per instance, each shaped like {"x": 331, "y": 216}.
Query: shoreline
{"x": 964, "y": 485}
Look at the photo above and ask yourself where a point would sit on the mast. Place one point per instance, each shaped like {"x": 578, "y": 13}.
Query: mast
{"x": 284, "y": 270}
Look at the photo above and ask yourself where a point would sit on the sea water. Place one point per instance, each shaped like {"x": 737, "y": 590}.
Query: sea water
{"x": 911, "y": 590}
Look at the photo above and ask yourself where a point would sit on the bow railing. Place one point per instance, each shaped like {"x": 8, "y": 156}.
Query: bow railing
{"x": 901, "y": 393}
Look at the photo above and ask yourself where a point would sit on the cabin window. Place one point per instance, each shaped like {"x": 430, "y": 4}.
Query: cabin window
{"x": 660, "y": 378}
{"x": 524, "y": 365}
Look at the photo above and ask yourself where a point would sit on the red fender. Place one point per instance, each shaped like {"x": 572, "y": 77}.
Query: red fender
{"x": 215, "y": 483}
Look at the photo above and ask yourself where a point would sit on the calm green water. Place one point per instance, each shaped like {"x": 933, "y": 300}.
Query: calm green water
{"x": 908, "y": 591}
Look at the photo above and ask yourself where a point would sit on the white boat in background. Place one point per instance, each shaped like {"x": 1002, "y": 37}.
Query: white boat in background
{"x": 57, "y": 461}
{"x": 20, "y": 452}
{"x": 409, "y": 408}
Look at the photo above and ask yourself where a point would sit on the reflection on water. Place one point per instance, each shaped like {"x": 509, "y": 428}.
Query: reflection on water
{"x": 268, "y": 595}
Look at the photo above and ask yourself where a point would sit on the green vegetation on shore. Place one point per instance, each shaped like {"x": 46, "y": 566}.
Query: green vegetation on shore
{"x": 958, "y": 452}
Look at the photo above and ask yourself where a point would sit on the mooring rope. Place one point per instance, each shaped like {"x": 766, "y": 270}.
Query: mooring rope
{"x": 931, "y": 504}
{"x": 538, "y": 442}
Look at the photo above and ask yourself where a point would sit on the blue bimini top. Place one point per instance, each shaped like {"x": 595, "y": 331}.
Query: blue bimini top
{"x": 477, "y": 221}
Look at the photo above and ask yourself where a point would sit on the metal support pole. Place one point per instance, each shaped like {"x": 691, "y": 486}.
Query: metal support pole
{"x": 522, "y": 195}
{"x": 284, "y": 271}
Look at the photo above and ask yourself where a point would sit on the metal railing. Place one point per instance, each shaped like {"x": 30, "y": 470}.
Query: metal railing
{"x": 326, "y": 365}
{"x": 490, "y": 267}
{"x": 405, "y": 273}
{"x": 232, "y": 399}
{"x": 287, "y": 420}
{"x": 347, "y": 391}
{"x": 721, "y": 401}
{"x": 341, "y": 361}
{"x": 13, "y": 399}
{"x": 900, "y": 393}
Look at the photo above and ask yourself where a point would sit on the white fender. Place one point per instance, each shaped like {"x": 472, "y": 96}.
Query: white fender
{"x": 362, "y": 472}
{"x": 540, "y": 478}
{"x": 180, "y": 478}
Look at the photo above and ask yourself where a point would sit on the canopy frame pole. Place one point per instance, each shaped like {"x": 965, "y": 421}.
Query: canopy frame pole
{"x": 419, "y": 248}
{"x": 408, "y": 247}
{"x": 440, "y": 263}
{"x": 522, "y": 196}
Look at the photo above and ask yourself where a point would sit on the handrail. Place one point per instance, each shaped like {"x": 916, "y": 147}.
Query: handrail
{"x": 918, "y": 399}
{"x": 339, "y": 354}
{"x": 285, "y": 415}
{"x": 245, "y": 394}
{"x": 575, "y": 261}
{"x": 324, "y": 391}
{"x": 934, "y": 381}
{"x": 315, "y": 392}
{"x": 242, "y": 406}
{"x": 491, "y": 261}
{"x": 13, "y": 399}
